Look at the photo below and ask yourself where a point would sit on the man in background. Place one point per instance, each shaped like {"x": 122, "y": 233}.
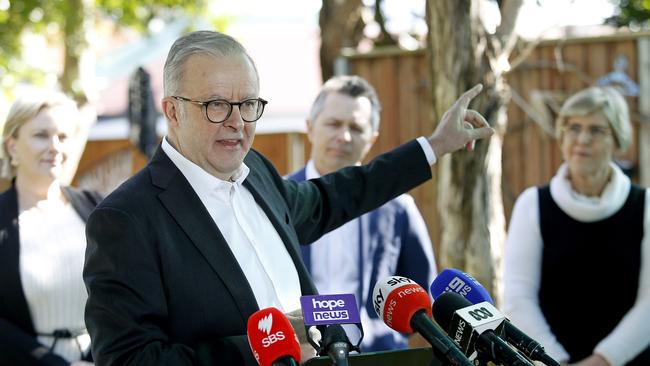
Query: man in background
{"x": 391, "y": 240}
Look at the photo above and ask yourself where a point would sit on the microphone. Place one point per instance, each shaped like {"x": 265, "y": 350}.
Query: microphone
{"x": 336, "y": 345}
{"x": 330, "y": 311}
{"x": 475, "y": 328}
{"x": 405, "y": 307}
{"x": 272, "y": 338}
{"x": 461, "y": 283}
{"x": 465, "y": 285}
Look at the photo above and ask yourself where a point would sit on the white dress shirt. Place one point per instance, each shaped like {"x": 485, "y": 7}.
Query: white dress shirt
{"x": 334, "y": 273}
{"x": 335, "y": 269}
{"x": 251, "y": 236}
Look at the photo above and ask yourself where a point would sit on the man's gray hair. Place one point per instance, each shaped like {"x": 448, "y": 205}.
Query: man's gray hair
{"x": 200, "y": 42}
{"x": 353, "y": 86}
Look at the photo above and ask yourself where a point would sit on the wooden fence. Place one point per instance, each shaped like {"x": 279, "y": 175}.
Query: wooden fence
{"x": 531, "y": 155}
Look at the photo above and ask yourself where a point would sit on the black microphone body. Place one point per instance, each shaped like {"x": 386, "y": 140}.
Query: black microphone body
{"x": 336, "y": 345}
{"x": 443, "y": 347}
{"x": 473, "y": 328}
{"x": 285, "y": 361}
{"x": 527, "y": 345}
{"x": 496, "y": 349}
{"x": 463, "y": 284}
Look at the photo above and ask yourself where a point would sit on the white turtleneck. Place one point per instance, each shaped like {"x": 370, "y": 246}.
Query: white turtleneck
{"x": 523, "y": 259}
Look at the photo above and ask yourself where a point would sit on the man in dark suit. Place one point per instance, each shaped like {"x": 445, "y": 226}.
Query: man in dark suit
{"x": 207, "y": 233}
{"x": 391, "y": 240}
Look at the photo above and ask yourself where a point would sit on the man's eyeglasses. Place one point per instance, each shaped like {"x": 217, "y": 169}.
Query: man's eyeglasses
{"x": 574, "y": 130}
{"x": 218, "y": 110}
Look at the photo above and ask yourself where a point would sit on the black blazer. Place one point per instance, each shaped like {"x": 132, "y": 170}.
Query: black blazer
{"x": 17, "y": 335}
{"x": 164, "y": 287}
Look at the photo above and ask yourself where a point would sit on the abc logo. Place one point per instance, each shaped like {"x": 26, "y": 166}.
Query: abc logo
{"x": 272, "y": 338}
{"x": 480, "y": 314}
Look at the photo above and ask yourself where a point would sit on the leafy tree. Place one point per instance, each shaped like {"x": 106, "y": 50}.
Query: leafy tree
{"x": 635, "y": 13}
{"x": 66, "y": 23}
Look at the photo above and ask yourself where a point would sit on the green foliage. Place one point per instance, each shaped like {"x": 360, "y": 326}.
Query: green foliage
{"x": 138, "y": 14}
{"x": 61, "y": 22}
{"x": 633, "y": 13}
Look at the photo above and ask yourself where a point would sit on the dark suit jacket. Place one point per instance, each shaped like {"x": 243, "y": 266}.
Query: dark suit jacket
{"x": 17, "y": 335}
{"x": 164, "y": 287}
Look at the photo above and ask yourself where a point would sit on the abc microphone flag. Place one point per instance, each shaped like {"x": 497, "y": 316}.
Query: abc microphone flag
{"x": 272, "y": 338}
{"x": 461, "y": 283}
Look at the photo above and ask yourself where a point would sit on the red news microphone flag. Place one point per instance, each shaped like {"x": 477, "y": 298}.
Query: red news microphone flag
{"x": 396, "y": 299}
{"x": 271, "y": 336}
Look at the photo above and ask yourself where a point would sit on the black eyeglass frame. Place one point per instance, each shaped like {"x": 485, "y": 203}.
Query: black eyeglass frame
{"x": 231, "y": 104}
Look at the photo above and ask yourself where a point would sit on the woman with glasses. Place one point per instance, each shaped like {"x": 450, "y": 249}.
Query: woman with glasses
{"x": 42, "y": 241}
{"x": 577, "y": 257}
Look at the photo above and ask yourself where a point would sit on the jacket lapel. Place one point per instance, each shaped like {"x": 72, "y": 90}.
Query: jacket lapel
{"x": 184, "y": 205}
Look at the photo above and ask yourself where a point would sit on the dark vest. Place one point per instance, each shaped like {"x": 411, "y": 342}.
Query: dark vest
{"x": 590, "y": 271}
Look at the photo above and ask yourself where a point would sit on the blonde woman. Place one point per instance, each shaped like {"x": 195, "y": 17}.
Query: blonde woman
{"x": 42, "y": 240}
{"x": 577, "y": 263}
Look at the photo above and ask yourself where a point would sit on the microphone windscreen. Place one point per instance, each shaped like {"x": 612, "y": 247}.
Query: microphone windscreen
{"x": 445, "y": 306}
{"x": 271, "y": 336}
{"x": 396, "y": 299}
{"x": 453, "y": 280}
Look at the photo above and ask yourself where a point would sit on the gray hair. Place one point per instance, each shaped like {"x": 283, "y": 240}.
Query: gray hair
{"x": 200, "y": 42}
{"x": 22, "y": 111}
{"x": 353, "y": 86}
{"x": 607, "y": 100}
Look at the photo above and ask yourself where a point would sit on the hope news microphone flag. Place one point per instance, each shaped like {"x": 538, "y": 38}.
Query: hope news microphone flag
{"x": 476, "y": 329}
{"x": 465, "y": 285}
{"x": 272, "y": 338}
{"x": 331, "y": 311}
{"x": 405, "y": 307}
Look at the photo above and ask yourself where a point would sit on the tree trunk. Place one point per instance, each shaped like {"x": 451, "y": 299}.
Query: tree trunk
{"x": 77, "y": 26}
{"x": 74, "y": 33}
{"x": 461, "y": 54}
{"x": 340, "y": 26}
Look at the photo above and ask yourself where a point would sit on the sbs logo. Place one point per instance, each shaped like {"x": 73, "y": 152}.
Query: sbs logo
{"x": 265, "y": 324}
{"x": 480, "y": 313}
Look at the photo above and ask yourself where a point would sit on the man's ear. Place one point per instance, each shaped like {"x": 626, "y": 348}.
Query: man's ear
{"x": 374, "y": 137}
{"x": 170, "y": 111}
{"x": 310, "y": 130}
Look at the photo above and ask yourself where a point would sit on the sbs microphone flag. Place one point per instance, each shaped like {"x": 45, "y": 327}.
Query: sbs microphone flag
{"x": 272, "y": 338}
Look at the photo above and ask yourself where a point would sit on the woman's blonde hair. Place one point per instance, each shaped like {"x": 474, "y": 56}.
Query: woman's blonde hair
{"x": 23, "y": 110}
{"x": 607, "y": 100}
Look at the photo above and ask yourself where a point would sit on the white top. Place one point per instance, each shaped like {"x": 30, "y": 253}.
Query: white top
{"x": 253, "y": 240}
{"x": 523, "y": 258}
{"x": 52, "y": 247}
{"x": 332, "y": 272}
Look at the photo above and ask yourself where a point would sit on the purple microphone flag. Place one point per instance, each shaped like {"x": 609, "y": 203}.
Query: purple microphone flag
{"x": 330, "y": 309}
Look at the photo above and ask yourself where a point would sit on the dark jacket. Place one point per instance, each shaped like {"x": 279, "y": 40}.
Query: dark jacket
{"x": 164, "y": 287}
{"x": 17, "y": 335}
